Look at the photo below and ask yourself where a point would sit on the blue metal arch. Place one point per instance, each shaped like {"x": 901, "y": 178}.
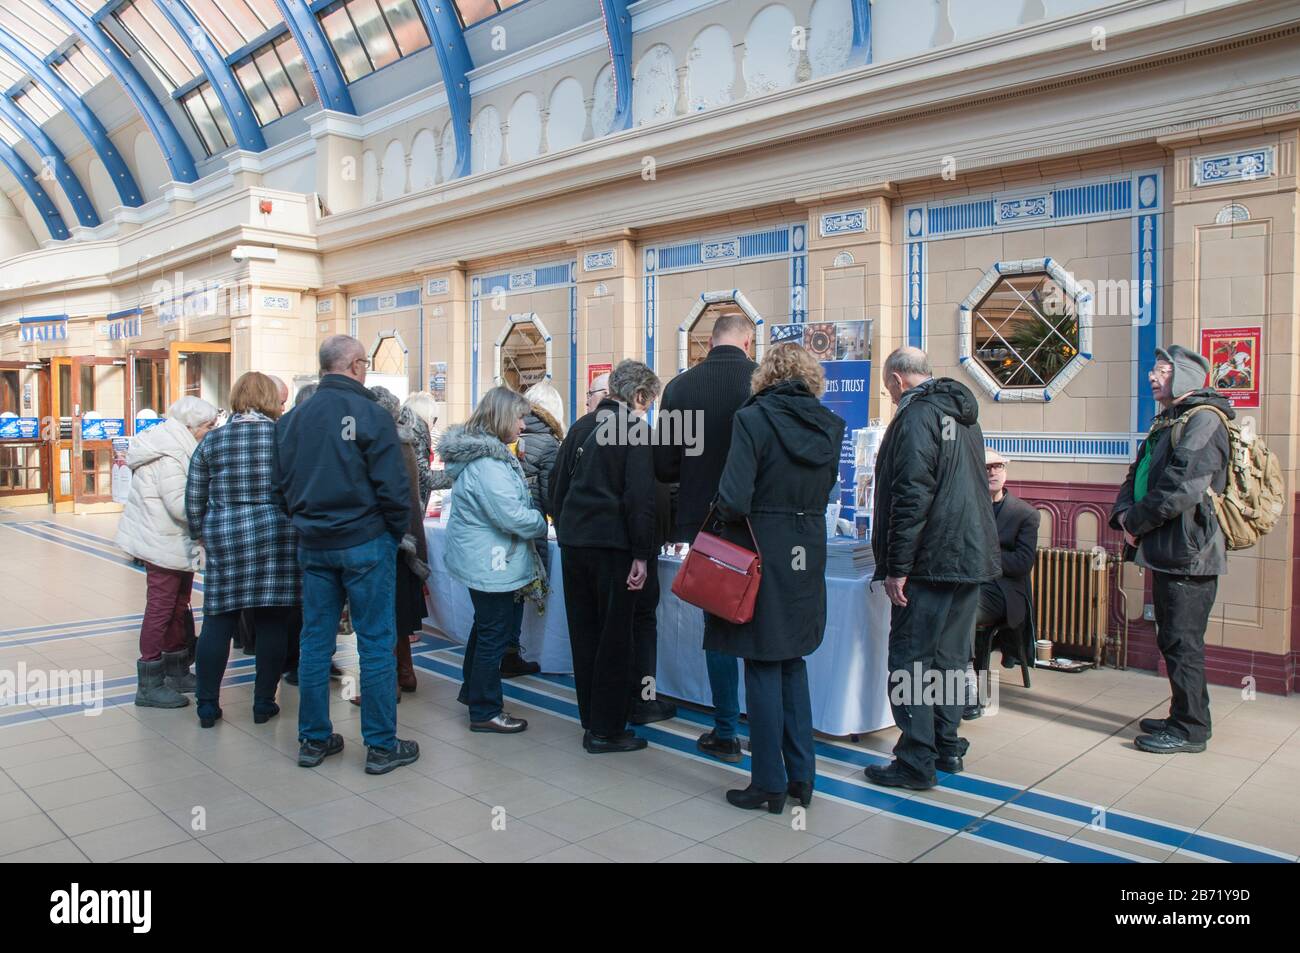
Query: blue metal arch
{"x": 618, "y": 33}
{"x": 81, "y": 114}
{"x": 32, "y": 186}
{"x": 180, "y": 161}
{"x": 330, "y": 83}
{"x": 454, "y": 61}
{"x": 45, "y": 146}
{"x": 239, "y": 112}
{"x": 860, "y": 53}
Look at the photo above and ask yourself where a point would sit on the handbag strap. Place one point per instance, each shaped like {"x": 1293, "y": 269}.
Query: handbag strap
{"x": 752, "y": 537}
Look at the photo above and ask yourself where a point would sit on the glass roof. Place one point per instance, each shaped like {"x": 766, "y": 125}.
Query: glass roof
{"x": 39, "y": 27}
{"x": 234, "y": 24}
{"x": 9, "y": 134}
{"x": 471, "y": 11}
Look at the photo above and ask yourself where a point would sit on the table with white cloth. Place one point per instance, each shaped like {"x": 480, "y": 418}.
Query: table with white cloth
{"x": 846, "y": 675}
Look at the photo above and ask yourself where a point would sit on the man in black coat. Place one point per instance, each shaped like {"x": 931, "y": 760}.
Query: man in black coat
{"x": 700, "y": 403}
{"x": 1169, "y": 524}
{"x": 338, "y": 467}
{"x": 935, "y": 542}
{"x": 1004, "y": 602}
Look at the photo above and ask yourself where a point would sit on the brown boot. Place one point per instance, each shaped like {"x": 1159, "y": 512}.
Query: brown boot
{"x": 405, "y": 667}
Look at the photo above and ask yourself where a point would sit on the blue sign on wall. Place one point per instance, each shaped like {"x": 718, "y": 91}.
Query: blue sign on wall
{"x": 105, "y": 428}
{"x": 144, "y": 423}
{"x": 20, "y": 428}
{"x": 848, "y": 394}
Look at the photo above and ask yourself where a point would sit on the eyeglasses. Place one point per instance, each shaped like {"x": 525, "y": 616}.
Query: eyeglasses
{"x": 602, "y": 390}
{"x": 363, "y": 360}
{"x": 995, "y": 467}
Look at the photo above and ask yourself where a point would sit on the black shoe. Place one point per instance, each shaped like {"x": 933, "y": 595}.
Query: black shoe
{"x": 209, "y": 714}
{"x": 971, "y": 712}
{"x": 645, "y": 713}
{"x": 894, "y": 776}
{"x": 264, "y": 712}
{"x": 600, "y": 744}
{"x": 1167, "y": 742}
{"x": 801, "y": 791}
{"x": 952, "y": 764}
{"x": 728, "y": 750}
{"x": 513, "y": 665}
{"x": 383, "y": 760}
{"x": 291, "y": 677}
{"x": 1153, "y": 726}
{"x": 312, "y": 753}
{"x": 751, "y": 799}
{"x": 501, "y": 724}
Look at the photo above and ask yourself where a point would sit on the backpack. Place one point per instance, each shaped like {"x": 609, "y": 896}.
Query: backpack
{"x": 1251, "y": 501}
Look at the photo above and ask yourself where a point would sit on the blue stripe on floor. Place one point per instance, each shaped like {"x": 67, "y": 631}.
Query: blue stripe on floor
{"x": 50, "y": 627}
{"x": 1115, "y": 822}
{"x": 938, "y": 815}
{"x": 79, "y": 547}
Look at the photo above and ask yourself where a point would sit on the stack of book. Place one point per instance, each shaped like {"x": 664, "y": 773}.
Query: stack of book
{"x": 848, "y": 558}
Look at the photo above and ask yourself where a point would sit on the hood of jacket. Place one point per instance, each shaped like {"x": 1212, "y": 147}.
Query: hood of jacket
{"x": 460, "y": 447}
{"x": 805, "y": 428}
{"x": 171, "y": 438}
{"x": 1205, "y": 396}
{"x": 951, "y": 398}
{"x": 539, "y": 420}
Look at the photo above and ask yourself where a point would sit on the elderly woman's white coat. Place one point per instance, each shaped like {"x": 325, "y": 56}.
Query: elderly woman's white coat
{"x": 153, "y": 525}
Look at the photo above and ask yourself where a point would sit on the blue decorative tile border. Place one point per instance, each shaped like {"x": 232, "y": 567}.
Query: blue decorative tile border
{"x": 843, "y": 223}
{"x": 599, "y": 260}
{"x": 798, "y": 275}
{"x": 1244, "y": 166}
{"x": 752, "y": 246}
{"x": 1064, "y": 447}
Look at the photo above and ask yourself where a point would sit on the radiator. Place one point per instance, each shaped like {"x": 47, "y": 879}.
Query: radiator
{"x": 1071, "y": 601}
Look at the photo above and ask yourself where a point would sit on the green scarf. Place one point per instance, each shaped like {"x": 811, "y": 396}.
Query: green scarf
{"x": 1143, "y": 471}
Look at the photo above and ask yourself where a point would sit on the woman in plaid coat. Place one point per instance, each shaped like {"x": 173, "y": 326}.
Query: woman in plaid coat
{"x": 250, "y": 547}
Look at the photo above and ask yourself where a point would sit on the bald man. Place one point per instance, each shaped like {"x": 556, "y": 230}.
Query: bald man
{"x": 597, "y": 392}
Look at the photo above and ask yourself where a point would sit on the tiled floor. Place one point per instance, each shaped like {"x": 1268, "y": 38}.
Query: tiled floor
{"x": 1052, "y": 776}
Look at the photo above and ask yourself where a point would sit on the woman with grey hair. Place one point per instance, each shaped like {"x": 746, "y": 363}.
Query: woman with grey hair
{"x": 153, "y": 529}
{"x": 489, "y": 546}
{"x": 603, "y": 502}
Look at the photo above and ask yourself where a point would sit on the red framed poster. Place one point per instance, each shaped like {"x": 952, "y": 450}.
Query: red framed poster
{"x": 1236, "y": 361}
{"x": 595, "y": 370}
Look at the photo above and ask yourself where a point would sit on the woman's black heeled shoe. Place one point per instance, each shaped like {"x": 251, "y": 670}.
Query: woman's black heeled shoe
{"x": 801, "y": 791}
{"x": 265, "y": 712}
{"x": 751, "y": 799}
{"x": 209, "y": 714}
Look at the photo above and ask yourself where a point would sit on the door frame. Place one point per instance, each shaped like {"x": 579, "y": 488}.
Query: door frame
{"x": 160, "y": 356}
{"x": 43, "y": 415}
{"x": 174, "y": 351}
{"x": 80, "y": 447}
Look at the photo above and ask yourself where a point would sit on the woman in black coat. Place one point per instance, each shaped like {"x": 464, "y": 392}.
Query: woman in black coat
{"x": 784, "y": 459}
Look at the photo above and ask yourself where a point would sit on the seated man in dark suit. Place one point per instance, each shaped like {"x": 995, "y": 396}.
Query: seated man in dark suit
{"x": 1004, "y": 602}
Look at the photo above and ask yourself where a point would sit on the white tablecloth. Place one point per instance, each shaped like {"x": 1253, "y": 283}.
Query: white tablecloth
{"x": 847, "y": 674}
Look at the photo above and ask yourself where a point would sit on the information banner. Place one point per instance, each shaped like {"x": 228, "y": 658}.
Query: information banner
{"x": 848, "y": 394}
{"x": 145, "y": 423}
{"x": 103, "y": 428}
{"x": 20, "y": 428}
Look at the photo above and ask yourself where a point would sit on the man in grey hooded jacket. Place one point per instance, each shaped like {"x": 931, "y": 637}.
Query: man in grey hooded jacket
{"x": 1168, "y": 522}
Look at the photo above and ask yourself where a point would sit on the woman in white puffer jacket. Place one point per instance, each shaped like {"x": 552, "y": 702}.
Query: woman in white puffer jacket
{"x": 153, "y": 529}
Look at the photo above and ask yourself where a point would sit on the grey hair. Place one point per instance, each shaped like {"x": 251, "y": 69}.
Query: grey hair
{"x": 544, "y": 395}
{"x": 632, "y": 380}
{"x": 497, "y": 413}
{"x": 387, "y": 400}
{"x": 304, "y": 392}
{"x": 424, "y": 406}
{"x": 338, "y": 352}
{"x": 192, "y": 411}
{"x": 732, "y": 325}
{"x": 908, "y": 361}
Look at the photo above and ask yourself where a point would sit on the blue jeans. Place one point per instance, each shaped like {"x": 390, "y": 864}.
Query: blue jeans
{"x": 366, "y": 575}
{"x": 724, "y": 684}
{"x": 497, "y": 620}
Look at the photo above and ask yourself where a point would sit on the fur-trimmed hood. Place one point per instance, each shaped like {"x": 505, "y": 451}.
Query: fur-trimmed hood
{"x": 546, "y": 420}
{"x": 460, "y": 447}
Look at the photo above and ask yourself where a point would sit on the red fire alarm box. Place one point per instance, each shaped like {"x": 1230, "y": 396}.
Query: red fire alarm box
{"x": 264, "y": 206}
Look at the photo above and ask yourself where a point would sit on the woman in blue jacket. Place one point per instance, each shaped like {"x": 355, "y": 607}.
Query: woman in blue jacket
{"x": 489, "y": 545}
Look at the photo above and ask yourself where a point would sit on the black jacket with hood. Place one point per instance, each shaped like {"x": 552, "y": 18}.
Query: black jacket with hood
{"x": 932, "y": 520}
{"x": 783, "y": 461}
{"x": 1174, "y": 523}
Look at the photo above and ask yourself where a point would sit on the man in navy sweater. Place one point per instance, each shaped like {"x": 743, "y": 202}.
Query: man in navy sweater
{"x": 710, "y": 392}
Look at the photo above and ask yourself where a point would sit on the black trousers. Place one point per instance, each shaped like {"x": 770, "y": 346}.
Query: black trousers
{"x": 600, "y": 608}
{"x": 214, "y": 652}
{"x": 780, "y": 723}
{"x": 645, "y": 633}
{"x": 1182, "y": 605}
{"x": 992, "y": 607}
{"x": 929, "y": 646}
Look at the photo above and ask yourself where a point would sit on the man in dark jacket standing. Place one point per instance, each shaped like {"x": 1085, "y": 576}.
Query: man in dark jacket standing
{"x": 1170, "y": 527}
{"x": 935, "y": 542}
{"x": 709, "y": 394}
{"x": 339, "y": 467}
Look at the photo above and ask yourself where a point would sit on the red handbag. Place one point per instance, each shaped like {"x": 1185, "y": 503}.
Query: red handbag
{"x": 720, "y": 577}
